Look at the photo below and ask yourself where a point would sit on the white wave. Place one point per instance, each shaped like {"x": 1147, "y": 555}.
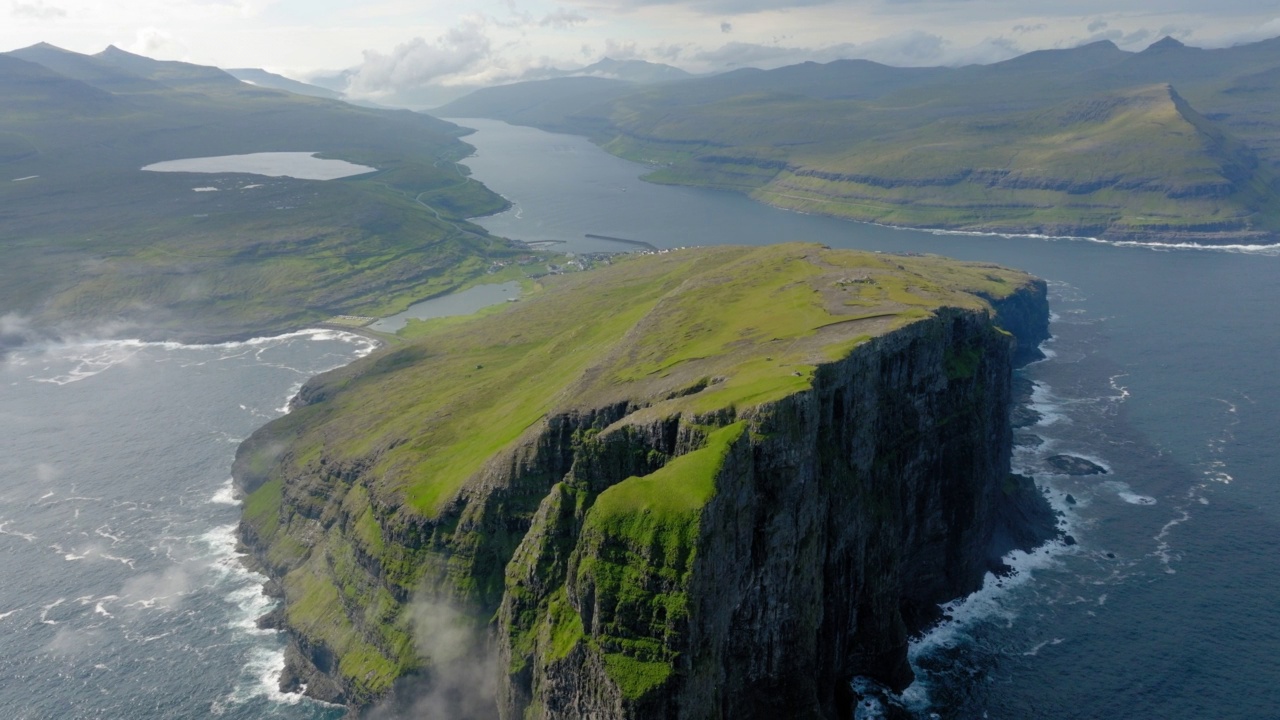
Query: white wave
{"x": 1165, "y": 247}
{"x": 90, "y": 360}
{"x": 1121, "y": 389}
{"x": 1041, "y": 645}
{"x": 264, "y": 666}
{"x": 1048, "y": 406}
{"x": 288, "y": 401}
{"x": 122, "y": 560}
{"x": 1164, "y": 550}
{"x": 1135, "y": 499}
{"x": 226, "y": 494}
{"x": 44, "y": 611}
{"x": 102, "y": 532}
{"x": 4, "y": 530}
{"x": 244, "y": 586}
{"x": 986, "y": 604}
{"x": 133, "y": 344}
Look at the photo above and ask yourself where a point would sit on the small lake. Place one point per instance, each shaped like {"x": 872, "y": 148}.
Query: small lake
{"x": 299, "y": 165}
{"x": 459, "y": 303}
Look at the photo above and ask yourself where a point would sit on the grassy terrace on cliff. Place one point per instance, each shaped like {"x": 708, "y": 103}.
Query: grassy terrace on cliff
{"x": 90, "y": 240}
{"x": 368, "y": 492}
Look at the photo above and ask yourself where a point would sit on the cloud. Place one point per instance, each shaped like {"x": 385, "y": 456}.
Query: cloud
{"x": 915, "y": 48}
{"x": 729, "y": 7}
{"x": 1097, "y": 25}
{"x": 15, "y": 331}
{"x": 36, "y": 10}
{"x": 461, "y": 683}
{"x": 1262, "y": 31}
{"x": 670, "y": 52}
{"x": 1135, "y": 40}
{"x": 164, "y": 589}
{"x": 418, "y": 62}
{"x": 562, "y": 19}
{"x": 621, "y": 49}
{"x": 158, "y": 43}
{"x": 726, "y": 27}
{"x": 47, "y": 473}
{"x": 742, "y": 54}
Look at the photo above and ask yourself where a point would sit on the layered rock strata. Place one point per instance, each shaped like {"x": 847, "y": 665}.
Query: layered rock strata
{"x": 707, "y": 520}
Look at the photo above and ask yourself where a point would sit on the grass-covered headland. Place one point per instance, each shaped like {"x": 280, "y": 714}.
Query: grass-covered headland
{"x": 567, "y": 446}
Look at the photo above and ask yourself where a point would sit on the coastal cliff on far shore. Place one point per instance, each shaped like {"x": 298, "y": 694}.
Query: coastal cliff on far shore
{"x": 718, "y": 482}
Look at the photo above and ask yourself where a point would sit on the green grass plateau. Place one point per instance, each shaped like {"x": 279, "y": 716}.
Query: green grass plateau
{"x": 385, "y": 449}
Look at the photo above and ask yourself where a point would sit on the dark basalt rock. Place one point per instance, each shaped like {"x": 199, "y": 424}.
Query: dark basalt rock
{"x": 1030, "y": 440}
{"x": 1072, "y": 465}
{"x": 274, "y": 620}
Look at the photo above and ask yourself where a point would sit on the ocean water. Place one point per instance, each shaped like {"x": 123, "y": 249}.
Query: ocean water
{"x": 121, "y": 596}
{"x": 122, "y": 593}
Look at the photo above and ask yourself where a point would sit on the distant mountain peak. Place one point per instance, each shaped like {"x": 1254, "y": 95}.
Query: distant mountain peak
{"x": 1102, "y": 45}
{"x": 45, "y": 46}
{"x": 1164, "y": 44}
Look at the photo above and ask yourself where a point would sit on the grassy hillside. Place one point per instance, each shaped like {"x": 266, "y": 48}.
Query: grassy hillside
{"x": 363, "y": 492}
{"x": 1174, "y": 143}
{"x": 91, "y": 240}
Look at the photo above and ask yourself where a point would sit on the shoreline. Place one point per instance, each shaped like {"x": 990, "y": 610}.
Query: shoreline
{"x": 1175, "y": 241}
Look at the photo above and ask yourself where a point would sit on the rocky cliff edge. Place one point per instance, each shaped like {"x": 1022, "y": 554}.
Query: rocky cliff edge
{"x": 708, "y": 483}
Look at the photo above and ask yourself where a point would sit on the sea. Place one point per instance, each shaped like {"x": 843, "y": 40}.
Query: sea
{"x": 123, "y": 596}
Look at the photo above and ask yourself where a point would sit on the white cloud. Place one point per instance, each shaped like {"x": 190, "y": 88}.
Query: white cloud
{"x": 1263, "y": 31}
{"x": 36, "y": 10}
{"x": 908, "y": 49}
{"x": 622, "y": 49}
{"x": 158, "y": 43}
{"x": 562, "y": 19}
{"x": 418, "y": 62}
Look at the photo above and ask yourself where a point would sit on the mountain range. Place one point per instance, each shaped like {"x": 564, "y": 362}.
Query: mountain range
{"x": 1171, "y": 144}
{"x": 428, "y": 95}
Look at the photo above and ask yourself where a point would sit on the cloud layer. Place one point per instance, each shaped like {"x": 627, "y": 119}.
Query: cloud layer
{"x": 395, "y": 46}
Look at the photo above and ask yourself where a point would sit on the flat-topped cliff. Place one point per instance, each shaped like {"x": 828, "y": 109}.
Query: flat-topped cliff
{"x": 714, "y": 482}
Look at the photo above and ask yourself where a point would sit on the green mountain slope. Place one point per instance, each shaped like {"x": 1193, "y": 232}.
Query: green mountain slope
{"x": 1063, "y": 141}
{"x": 262, "y": 78}
{"x": 1140, "y": 164}
{"x": 90, "y": 239}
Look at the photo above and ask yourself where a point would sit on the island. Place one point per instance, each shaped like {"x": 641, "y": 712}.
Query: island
{"x": 715, "y": 482}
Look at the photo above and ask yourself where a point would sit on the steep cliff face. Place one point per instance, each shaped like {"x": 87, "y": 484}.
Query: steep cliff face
{"x": 722, "y": 513}
{"x": 833, "y": 521}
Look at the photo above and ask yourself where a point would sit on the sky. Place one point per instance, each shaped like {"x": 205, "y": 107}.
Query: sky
{"x": 393, "y": 45}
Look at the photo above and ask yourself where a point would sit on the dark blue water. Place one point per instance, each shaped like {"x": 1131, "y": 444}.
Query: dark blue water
{"x": 1165, "y": 368}
{"x": 122, "y": 594}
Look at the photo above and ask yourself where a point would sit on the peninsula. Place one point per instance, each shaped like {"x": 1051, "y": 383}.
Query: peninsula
{"x": 701, "y": 483}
